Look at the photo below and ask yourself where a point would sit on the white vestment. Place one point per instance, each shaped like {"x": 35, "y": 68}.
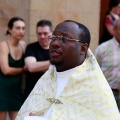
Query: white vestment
{"x": 86, "y": 96}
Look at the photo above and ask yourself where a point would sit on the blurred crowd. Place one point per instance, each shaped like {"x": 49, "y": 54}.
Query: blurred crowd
{"x": 17, "y": 59}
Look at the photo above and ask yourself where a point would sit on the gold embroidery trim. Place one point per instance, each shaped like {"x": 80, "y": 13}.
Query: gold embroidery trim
{"x": 53, "y": 100}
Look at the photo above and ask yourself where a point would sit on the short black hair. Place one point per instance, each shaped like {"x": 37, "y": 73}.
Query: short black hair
{"x": 113, "y": 3}
{"x": 43, "y": 23}
{"x": 84, "y": 32}
{"x": 11, "y": 22}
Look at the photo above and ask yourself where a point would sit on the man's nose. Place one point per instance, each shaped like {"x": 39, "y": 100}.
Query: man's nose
{"x": 55, "y": 44}
{"x": 42, "y": 36}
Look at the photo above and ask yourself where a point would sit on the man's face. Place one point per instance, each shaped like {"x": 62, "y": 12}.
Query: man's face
{"x": 43, "y": 34}
{"x": 65, "y": 53}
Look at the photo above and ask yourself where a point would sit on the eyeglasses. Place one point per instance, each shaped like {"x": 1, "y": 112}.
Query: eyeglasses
{"x": 64, "y": 39}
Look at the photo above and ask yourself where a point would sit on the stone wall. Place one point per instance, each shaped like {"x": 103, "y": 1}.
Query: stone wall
{"x": 12, "y": 8}
{"x": 83, "y": 11}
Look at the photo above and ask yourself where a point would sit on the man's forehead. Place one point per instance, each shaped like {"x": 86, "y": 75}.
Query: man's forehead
{"x": 43, "y": 28}
{"x": 67, "y": 27}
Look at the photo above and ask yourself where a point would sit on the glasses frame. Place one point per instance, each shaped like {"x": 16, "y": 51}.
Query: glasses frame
{"x": 68, "y": 39}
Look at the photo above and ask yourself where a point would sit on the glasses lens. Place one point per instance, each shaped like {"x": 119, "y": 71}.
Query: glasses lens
{"x": 53, "y": 38}
{"x": 63, "y": 39}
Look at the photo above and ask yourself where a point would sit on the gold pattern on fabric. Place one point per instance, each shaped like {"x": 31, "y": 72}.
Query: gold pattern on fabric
{"x": 56, "y": 101}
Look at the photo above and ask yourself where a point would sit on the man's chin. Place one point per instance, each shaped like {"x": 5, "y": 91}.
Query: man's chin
{"x": 44, "y": 45}
{"x": 56, "y": 63}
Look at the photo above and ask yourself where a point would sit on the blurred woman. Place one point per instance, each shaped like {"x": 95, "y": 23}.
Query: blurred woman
{"x": 111, "y": 17}
{"x": 11, "y": 68}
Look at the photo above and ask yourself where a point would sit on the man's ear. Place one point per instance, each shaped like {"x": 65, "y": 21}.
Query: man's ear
{"x": 83, "y": 48}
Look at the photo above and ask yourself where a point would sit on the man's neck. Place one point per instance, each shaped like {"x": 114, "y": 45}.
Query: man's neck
{"x": 66, "y": 67}
{"x": 69, "y": 65}
{"x": 46, "y": 48}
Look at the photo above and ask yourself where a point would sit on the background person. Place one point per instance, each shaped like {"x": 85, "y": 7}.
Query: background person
{"x": 111, "y": 17}
{"x": 108, "y": 57}
{"x": 37, "y": 55}
{"x": 11, "y": 68}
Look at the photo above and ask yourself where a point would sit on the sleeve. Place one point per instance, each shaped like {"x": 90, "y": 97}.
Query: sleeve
{"x": 98, "y": 55}
{"x": 108, "y": 20}
{"x": 29, "y": 51}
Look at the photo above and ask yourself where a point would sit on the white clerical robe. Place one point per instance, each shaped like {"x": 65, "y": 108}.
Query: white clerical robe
{"x": 86, "y": 96}
{"x": 62, "y": 79}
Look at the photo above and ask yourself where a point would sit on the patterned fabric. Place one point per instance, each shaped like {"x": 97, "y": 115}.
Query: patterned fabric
{"x": 111, "y": 19}
{"x": 108, "y": 57}
{"x": 87, "y": 95}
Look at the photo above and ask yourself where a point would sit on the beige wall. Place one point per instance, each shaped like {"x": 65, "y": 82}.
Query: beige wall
{"x": 83, "y": 11}
{"x": 11, "y": 8}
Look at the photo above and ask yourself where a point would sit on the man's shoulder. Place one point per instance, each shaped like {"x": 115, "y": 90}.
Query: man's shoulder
{"x": 104, "y": 47}
{"x": 34, "y": 44}
{"x": 106, "y": 44}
